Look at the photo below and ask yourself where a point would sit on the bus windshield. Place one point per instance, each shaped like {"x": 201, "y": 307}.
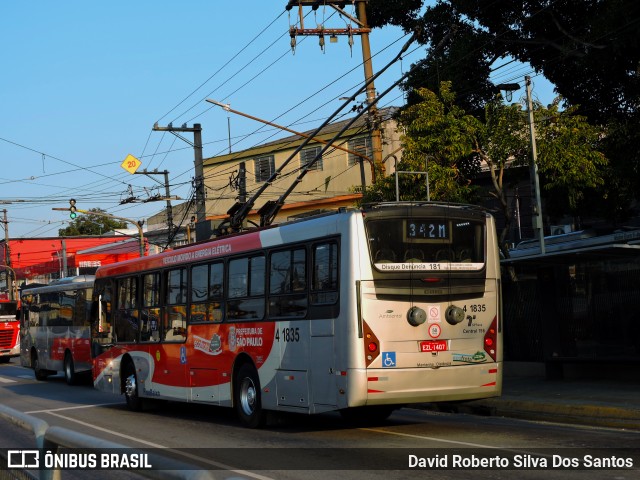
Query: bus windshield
{"x": 426, "y": 243}
{"x": 8, "y": 309}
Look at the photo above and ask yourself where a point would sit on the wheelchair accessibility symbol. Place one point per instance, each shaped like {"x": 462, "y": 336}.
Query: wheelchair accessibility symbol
{"x": 183, "y": 355}
{"x": 388, "y": 359}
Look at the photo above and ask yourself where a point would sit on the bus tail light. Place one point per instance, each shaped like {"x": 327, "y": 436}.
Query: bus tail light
{"x": 491, "y": 339}
{"x": 371, "y": 345}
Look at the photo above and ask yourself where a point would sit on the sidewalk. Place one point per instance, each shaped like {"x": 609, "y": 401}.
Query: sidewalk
{"x": 587, "y": 396}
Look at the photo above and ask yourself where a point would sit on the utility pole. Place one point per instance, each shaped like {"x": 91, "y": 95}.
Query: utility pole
{"x": 167, "y": 194}
{"x": 203, "y": 228}
{"x": 7, "y": 258}
{"x": 538, "y": 225}
{"x": 363, "y": 30}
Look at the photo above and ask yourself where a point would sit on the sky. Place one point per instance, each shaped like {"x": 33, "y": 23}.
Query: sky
{"x": 83, "y": 84}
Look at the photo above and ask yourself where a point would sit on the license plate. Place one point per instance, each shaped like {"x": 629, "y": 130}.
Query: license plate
{"x": 434, "y": 346}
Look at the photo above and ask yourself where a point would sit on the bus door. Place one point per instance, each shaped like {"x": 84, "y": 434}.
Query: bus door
{"x": 324, "y": 310}
{"x": 323, "y": 363}
{"x": 170, "y": 356}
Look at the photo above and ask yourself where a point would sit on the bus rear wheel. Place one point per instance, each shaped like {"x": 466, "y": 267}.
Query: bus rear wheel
{"x": 69, "y": 369}
{"x": 40, "y": 373}
{"x": 134, "y": 402}
{"x": 247, "y": 397}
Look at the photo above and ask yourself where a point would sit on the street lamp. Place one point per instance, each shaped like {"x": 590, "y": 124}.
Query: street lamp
{"x": 538, "y": 225}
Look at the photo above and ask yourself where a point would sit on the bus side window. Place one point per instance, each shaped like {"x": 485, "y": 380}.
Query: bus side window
{"x": 127, "y": 313}
{"x": 246, "y": 296}
{"x": 175, "y": 315}
{"x": 150, "y": 313}
{"x": 288, "y": 284}
{"x": 207, "y": 290}
{"x": 324, "y": 282}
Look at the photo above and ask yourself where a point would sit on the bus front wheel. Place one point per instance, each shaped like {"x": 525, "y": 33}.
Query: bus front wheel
{"x": 247, "y": 397}
{"x": 134, "y": 402}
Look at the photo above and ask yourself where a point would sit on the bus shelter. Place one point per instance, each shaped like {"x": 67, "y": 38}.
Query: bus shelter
{"x": 576, "y": 303}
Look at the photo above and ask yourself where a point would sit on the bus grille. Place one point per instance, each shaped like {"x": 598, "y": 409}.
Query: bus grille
{"x": 6, "y": 338}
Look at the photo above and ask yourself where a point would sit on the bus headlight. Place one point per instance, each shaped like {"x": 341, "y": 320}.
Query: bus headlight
{"x": 416, "y": 316}
{"x": 454, "y": 315}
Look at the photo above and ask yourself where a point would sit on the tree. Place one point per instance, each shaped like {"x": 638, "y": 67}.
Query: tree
{"x": 439, "y": 137}
{"x": 589, "y": 49}
{"x": 89, "y": 224}
{"x": 456, "y": 144}
{"x": 569, "y": 160}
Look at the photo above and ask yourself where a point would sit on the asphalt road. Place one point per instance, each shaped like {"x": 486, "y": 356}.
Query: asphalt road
{"x": 412, "y": 444}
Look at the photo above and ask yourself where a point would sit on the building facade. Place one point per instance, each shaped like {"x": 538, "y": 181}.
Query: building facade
{"x": 334, "y": 179}
{"x": 40, "y": 260}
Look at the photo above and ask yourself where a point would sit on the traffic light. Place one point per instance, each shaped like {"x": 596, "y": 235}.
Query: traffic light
{"x": 72, "y": 208}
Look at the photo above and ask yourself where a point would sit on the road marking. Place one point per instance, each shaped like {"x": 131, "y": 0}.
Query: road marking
{"x": 467, "y": 444}
{"x": 7, "y": 380}
{"x": 150, "y": 444}
{"x": 423, "y": 437}
{"x": 76, "y": 407}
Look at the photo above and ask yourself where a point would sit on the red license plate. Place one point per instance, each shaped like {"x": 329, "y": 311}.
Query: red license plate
{"x": 434, "y": 346}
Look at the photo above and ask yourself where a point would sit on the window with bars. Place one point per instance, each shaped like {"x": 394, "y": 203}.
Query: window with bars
{"x": 307, "y": 155}
{"x": 264, "y": 167}
{"x": 361, "y": 145}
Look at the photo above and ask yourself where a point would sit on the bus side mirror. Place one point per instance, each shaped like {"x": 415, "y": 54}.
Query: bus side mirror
{"x": 18, "y": 314}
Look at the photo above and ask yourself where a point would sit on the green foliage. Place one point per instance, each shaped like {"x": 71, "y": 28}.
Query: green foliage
{"x": 450, "y": 144}
{"x": 88, "y": 224}
{"x": 590, "y": 51}
{"x": 569, "y": 161}
{"x": 439, "y": 138}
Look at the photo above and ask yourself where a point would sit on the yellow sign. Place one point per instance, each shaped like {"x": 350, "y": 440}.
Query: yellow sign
{"x": 131, "y": 164}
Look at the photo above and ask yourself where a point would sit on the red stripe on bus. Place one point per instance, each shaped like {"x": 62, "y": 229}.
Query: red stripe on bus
{"x": 374, "y": 391}
{"x": 493, "y": 370}
{"x": 492, "y": 384}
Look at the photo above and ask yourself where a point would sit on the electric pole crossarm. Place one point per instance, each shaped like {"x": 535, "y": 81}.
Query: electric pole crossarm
{"x": 175, "y": 130}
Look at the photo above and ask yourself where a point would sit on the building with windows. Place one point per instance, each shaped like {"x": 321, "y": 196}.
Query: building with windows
{"x": 334, "y": 179}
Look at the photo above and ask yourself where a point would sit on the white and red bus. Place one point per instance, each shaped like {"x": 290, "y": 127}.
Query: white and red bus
{"x": 360, "y": 311}
{"x": 55, "y": 327}
{"x": 9, "y": 330}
